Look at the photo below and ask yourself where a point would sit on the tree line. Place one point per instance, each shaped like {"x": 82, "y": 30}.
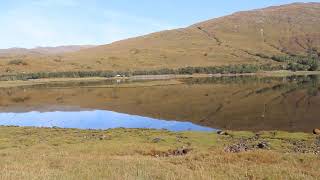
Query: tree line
{"x": 231, "y": 69}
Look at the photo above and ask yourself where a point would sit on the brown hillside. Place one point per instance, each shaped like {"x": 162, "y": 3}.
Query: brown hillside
{"x": 234, "y": 39}
{"x": 284, "y": 29}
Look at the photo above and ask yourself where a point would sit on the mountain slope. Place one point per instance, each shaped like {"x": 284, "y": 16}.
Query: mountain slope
{"x": 240, "y": 38}
{"x": 289, "y": 29}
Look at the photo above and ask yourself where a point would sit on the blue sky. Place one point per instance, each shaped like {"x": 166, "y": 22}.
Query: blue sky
{"x": 31, "y": 23}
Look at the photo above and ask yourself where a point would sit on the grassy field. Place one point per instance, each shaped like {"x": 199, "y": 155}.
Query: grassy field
{"x": 32, "y": 153}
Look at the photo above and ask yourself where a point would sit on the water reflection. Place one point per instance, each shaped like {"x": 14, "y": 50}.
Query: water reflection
{"x": 237, "y": 103}
{"x": 93, "y": 120}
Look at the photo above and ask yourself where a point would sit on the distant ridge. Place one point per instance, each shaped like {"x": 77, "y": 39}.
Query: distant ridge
{"x": 46, "y": 50}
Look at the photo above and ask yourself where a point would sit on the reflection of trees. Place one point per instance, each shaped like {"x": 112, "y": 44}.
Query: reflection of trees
{"x": 231, "y": 80}
{"x": 277, "y": 93}
{"x": 309, "y": 85}
{"x": 285, "y": 85}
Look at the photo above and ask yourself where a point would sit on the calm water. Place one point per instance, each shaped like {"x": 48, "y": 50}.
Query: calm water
{"x": 95, "y": 119}
{"x": 199, "y": 104}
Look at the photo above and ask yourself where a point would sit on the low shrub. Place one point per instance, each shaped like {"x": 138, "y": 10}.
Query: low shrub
{"x": 17, "y": 62}
{"x": 299, "y": 63}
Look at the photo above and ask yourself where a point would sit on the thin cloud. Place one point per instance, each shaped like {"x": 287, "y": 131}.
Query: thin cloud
{"x": 39, "y": 24}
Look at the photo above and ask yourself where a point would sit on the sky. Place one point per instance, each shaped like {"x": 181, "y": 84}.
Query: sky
{"x": 33, "y": 23}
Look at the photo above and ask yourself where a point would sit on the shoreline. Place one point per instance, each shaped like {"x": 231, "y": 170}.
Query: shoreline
{"x": 17, "y": 83}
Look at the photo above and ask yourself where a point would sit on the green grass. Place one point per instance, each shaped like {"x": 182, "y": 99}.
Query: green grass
{"x": 43, "y": 153}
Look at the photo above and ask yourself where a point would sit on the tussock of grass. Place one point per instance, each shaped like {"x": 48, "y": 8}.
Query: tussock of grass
{"x": 17, "y": 62}
{"x": 32, "y": 153}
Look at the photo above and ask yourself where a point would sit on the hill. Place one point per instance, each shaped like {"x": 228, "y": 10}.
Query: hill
{"x": 44, "y": 50}
{"x": 250, "y": 37}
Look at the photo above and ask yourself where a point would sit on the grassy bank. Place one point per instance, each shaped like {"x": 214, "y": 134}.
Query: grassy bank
{"x": 31, "y": 153}
{"x": 169, "y": 78}
{"x": 232, "y": 70}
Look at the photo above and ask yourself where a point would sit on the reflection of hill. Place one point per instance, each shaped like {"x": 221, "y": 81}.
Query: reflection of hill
{"x": 253, "y": 104}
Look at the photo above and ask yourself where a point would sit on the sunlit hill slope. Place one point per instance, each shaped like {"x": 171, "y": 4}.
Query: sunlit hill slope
{"x": 249, "y": 37}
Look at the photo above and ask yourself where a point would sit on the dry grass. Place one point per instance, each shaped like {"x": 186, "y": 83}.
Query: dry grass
{"x": 30, "y": 153}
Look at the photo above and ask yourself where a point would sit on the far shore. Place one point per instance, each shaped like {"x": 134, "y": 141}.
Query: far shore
{"x": 283, "y": 73}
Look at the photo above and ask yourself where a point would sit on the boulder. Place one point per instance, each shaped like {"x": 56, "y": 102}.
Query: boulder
{"x": 223, "y": 133}
{"x": 263, "y": 145}
{"x": 180, "y": 151}
{"x": 237, "y": 148}
{"x": 156, "y": 140}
